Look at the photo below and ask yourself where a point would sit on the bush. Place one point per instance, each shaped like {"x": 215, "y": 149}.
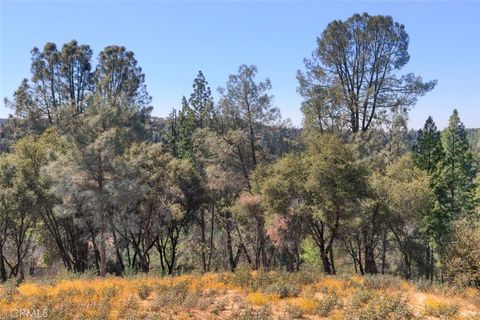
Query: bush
{"x": 361, "y": 298}
{"x": 326, "y": 305}
{"x": 377, "y": 282}
{"x": 264, "y": 313}
{"x": 462, "y": 255}
{"x": 389, "y": 307}
{"x": 242, "y": 277}
{"x": 283, "y": 289}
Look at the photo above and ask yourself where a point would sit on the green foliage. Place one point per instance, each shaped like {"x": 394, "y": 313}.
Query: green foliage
{"x": 406, "y": 195}
{"x": 462, "y": 255}
{"x": 227, "y": 184}
{"x": 355, "y": 67}
{"x": 453, "y": 180}
{"x": 310, "y": 253}
{"x": 428, "y": 150}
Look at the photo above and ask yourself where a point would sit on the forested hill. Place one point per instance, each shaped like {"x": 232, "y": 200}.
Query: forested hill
{"x": 474, "y": 139}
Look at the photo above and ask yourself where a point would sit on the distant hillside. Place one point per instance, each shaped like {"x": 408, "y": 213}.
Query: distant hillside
{"x": 474, "y": 139}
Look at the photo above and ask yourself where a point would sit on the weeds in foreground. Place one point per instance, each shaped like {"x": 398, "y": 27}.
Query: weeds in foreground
{"x": 242, "y": 295}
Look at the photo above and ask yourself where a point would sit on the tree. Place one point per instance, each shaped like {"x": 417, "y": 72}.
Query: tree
{"x": 85, "y": 176}
{"x": 323, "y": 186}
{"x": 118, "y": 77}
{"x": 453, "y": 180}
{"x": 201, "y": 102}
{"x": 427, "y": 151}
{"x": 21, "y": 202}
{"x": 76, "y": 73}
{"x": 186, "y": 124}
{"x": 61, "y": 83}
{"x": 158, "y": 202}
{"x": 249, "y": 214}
{"x": 407, "y": 201}
{"x": 351, "y": 80}
{"x": 196, "y": 114}
{"x": 281, "y": 190}
{"x": 427, "y": 154}
{"x": 246, "y": 106}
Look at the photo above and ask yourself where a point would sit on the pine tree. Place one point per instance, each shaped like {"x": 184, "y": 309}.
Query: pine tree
{"x": 428, "y": 151}
{"x": 201, "y": 102}
{"x": 186, "y": 126}
{"x": 453, "y": 180}
{"x": 427, "y": 154}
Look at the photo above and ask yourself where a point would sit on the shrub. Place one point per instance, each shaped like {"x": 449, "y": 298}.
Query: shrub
{"x": 191, "y": 300}
{"x": 264, "y": 313}
{"x": 360, "y": 298}
{"x": 242, "y": 277}
{"x": 389, "y": 307}
{"x": 326, "y": 305}
{"x": 283, "y": 289}
{"x": 462, "y": 254}
{"x": 377, "y": 282}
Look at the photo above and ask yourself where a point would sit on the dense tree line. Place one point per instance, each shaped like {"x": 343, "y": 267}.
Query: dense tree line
{"x": 91, "y": 180}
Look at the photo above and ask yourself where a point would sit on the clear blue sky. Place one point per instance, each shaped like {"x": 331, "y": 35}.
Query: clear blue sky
{"x": 173, "y": 40}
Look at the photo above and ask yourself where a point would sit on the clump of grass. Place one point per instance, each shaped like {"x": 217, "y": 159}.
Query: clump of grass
{"x": 377, "y": 282}
{"x": 263, "y": 313}
{"x": 389, "y": 307}
{"x": 8, "y": 292}
{"x": 144, "y": 291}
{"x": 130, "y": 303}
{"x": 437, "y": 307}
{"x": 283, "y": 289}
{"x": 326, "y": 305}
{"x": 307, "y": 305}
{"x": 330, "y": 285}
{"x": 294, "y": 312}
{"x": 242, "y": 277}
{"x": 191, "y": 300}
{"x": 259, "y": 298}
{"x": 219, "y": 307}
{"x": 361, "y": 297}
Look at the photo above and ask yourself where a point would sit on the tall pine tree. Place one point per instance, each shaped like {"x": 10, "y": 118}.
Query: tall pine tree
{"x": 453, "y": 180}
{"x": 428, "y": 151}
{"x": 427, "y": 154}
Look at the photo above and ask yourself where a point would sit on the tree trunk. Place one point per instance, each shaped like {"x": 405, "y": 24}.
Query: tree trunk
{"x": 103, "y": 253}
{"x": 203, "y": 240}
{"x": 326, "y": 263}
{"x": 228, "y": 233}
{"x": 3, "y": 271}
{"x": 332, "y": 263}
{"x": 210, "y": 249}
{"x": 384, "y": 250}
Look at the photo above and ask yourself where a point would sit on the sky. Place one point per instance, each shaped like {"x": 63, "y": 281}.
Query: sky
{"x": 172, "y": 41}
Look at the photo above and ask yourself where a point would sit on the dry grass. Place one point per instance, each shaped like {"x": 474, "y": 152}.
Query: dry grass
{"x": 244, "y": 295}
